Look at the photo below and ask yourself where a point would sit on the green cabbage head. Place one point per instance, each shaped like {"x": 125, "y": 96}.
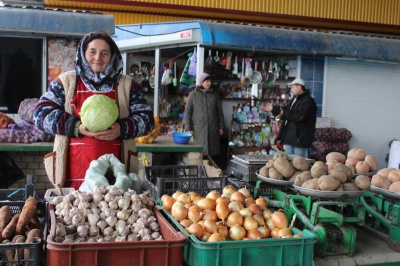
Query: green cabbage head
{"x": 98, "y": 113}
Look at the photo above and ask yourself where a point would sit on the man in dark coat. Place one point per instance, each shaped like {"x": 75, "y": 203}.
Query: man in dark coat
{"x": 298, "y": 120}
{"x": 204, "y": 117}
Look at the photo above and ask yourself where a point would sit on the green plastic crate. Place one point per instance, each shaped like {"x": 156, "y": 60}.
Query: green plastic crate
{"x": 271, "y": 251}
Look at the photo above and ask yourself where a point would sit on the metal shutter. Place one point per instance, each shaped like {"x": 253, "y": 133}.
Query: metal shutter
{"x": 364, "y": 98}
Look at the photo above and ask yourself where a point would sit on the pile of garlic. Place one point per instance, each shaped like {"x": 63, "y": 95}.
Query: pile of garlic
{"x": 105, "y": 216}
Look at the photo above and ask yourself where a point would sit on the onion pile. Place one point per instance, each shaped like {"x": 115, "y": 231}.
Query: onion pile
{"x": 232, "y": 215}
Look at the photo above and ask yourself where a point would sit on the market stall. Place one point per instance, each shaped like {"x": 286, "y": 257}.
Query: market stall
{"x": 328, "y": 62}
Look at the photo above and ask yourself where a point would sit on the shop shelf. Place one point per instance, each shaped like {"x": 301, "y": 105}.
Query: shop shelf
{"x": 271, "y": 251}
{"x": 167, "y": 179}
{"x": 167, "y": 252}
{"x": 36, "y": 248}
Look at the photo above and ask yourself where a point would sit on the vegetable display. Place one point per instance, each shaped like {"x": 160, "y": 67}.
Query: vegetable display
{"x": 103, "y": 215}
{"x": 231, "y": 215}
{"x": 98, "y": 113}
{"x": 23, "y": 227}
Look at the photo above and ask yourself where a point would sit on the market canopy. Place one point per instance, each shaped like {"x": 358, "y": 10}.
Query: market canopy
{"x": 53, "y": 22}
{"x": 268, "y": 39}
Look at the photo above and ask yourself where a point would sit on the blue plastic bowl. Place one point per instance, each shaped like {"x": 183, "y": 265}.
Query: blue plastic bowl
{"x": 181, "y": 137}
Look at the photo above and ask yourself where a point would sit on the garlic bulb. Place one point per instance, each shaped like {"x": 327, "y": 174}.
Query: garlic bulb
{"x": 93, "y": 218}
{"x": 94, "y": 231}
{"x": 60, "y": 230}
{"x": 123, "y": 215}
{"x": 82, "y": 230}
{"x": 108, "y": 231}
{"x": 102, "y": 224}
{"x": 111, "y": 220}
{"x": 123, "y": 203}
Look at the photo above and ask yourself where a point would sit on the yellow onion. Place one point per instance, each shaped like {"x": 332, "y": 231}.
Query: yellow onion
{"x": 254, "y": 234}
{"x": 180, "y": 213}
{"x": 297, "y": 236}
{"x": 210, "y": 226}
{"x": 287, "y": 236}
{"x": 270, "y": 224}
{"x": 186, "y": 223}
{"x": 196, "y": 199}
{"x": 223, "y": 199}
{"x": 245, "y": 192}
{"x": 235, "y": 206}
{"x": 234, "y": 218}
{"x": 168, "y": 203}
{"x": 177, "y": 194}
{"x": 237, "y": 232}
{"x": 222, "y": 210}
{"x": 267, "y": 214}
{"x": 176, "y": 204}
{"x": 209, "y": 215}
{"x": 245, "y": 212}
{"x": 163, "y": 197}
{"x": 237, "y": 196}
{"x": 264, "y": 231}
{"x": 214, "y": 195}
{"x": 229, "y": 189}
{"x": 250, "y": 223}
{"x": 259, "y": 219}
{"x": 196, "y": 229}
{"x": 205, "y": 237}
{"x": 206, "y": 204}
{"x": 262, "y": 203}
{"x": 216, "y": 237}
{"x": 188, "y": 205}
{"x": 194, "y": 214}
{"x": 223, "y": 230}
{"x": 283, "y": 232}
{"x": 185, "y": 198}
{"x": 249, "y": 201}
{"x": 279, "y": 219}
{"x": 255, "y": 209}
{"x": 274, "y": 232}
{"x": 193, "y": 194}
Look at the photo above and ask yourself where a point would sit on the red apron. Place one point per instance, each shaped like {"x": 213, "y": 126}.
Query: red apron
{"x": 83, "y": 150}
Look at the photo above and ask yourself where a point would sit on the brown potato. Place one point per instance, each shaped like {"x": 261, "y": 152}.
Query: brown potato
{"x": 395, "y": 186}
{"x": 328, "y": 183}
{"x": 345, "y": 169}
{"x": 351, "y": 162}
{"x": 293, "y": 177}
{"x": 349, "y": 186}
{"x": 280, "y": 155}
{"x": 301, "y": 164}
{"x": 371, "y": 160}
{"x": 394, "y": 175}
{"x": 337, "y": 156}
{"x": 362, "y": 167}
{"x": 284, "y": 167}
{"x": 340, "y": 188}
{"x": 357, "y": 153}
{"x": 319, "y": 164}
{"x": 331, "y": 164}
{"x": 311, "y": 184}
{"x": 264, "y": 171}
{"x": 380, "y": 181}
{"x": 316, "y": 172}
{"x": 274, "y": 174}
{"x": 339, "y": 174}
{"x": 301, "y": 178}
{"x": 363, "y": 182}
{"x": 385, "y": 171}
{"x": 270, "y": 163}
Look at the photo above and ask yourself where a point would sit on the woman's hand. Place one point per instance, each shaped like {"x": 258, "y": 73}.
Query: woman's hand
{"x": 109, "y": 134}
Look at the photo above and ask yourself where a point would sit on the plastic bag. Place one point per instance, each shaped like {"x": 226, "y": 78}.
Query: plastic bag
{"x": 193, "y": 64}
{"x": 26, "y": 109}
{"x": 9, "y": 171}
{"x": 186, "y": 78}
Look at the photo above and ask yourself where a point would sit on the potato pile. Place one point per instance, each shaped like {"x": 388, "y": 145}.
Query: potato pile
{"x": 281, "y": 168}
{"x": 387, "y": 178}
{"x": 23, "y": 227}
{"x": 339, "y": 178}
{"x": 357, "y": 160}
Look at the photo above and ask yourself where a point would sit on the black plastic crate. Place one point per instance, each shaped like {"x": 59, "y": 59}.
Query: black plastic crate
{"x": 243, "y": 171}
{"x": 167, "y": 179}
{"x": 264, "y": 188}
{"x": 37, "y": 247}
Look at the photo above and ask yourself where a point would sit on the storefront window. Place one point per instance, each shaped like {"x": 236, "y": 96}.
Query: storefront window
{"x": 20, "y": 71}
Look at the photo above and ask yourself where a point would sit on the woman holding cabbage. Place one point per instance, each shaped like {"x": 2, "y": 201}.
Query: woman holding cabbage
{"x": 93, "y": 110}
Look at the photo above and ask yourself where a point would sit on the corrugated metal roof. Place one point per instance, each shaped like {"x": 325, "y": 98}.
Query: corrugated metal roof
{"x": 257, "y": 38}
{"x": 30, "y": 19}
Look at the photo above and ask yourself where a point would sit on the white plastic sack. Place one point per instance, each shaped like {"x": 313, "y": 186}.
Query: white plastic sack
{"x": 193, "y": 64}
{"x": 394, "y": 155}
{"x": 95, "y": 175}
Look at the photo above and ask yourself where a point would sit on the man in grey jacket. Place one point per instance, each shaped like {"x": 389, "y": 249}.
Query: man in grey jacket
{"x": 204, "y": 117}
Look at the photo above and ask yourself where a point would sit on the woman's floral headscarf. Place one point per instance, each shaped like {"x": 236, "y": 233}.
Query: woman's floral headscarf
{"x": 98, "y": 81}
